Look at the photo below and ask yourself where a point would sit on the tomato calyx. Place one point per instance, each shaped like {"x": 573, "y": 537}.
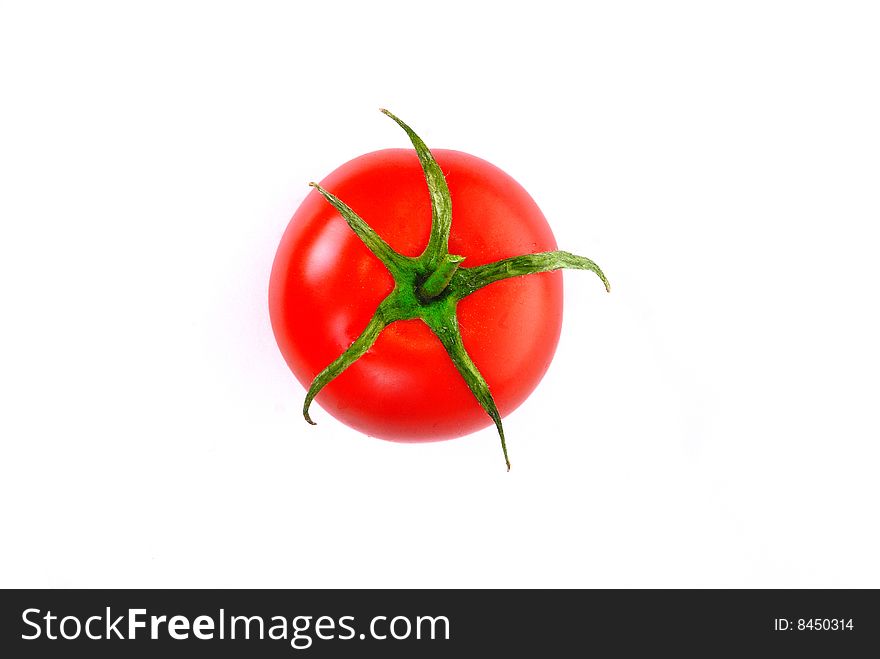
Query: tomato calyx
{"x": 428, "y": 287}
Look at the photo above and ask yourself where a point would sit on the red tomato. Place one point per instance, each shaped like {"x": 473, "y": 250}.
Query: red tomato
{"x": 326, "y": 285}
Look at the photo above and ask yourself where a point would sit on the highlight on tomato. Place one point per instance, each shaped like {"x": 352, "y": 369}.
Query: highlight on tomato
{"x": 416, "y": 294}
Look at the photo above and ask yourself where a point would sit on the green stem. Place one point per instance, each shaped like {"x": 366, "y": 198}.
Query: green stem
{"x": 438, "y": 280}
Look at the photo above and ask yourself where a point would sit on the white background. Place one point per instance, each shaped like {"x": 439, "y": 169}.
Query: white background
{"x": 712, "y": 422}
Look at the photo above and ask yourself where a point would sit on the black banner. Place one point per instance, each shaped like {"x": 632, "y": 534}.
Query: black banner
{"x": 434, "y": 623}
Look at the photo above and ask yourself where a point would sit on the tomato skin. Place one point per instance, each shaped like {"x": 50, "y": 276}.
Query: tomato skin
{"x": 325, "y": 286}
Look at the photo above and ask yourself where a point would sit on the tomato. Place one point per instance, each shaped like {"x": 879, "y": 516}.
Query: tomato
{"x": 326, "y": 285}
